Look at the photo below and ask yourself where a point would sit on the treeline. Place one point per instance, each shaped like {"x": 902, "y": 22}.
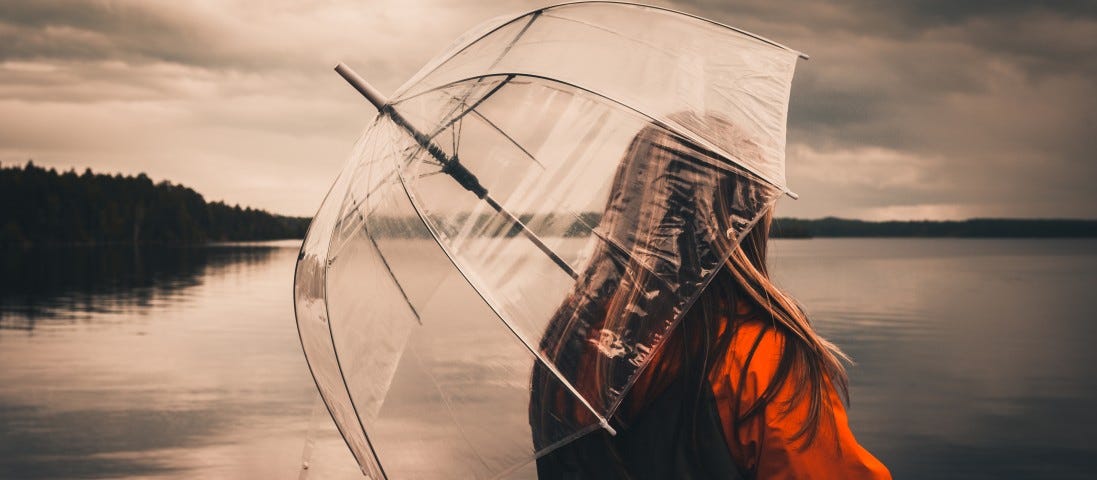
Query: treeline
{"x": 44, "y": 206}
{"x": 974, "y": 228}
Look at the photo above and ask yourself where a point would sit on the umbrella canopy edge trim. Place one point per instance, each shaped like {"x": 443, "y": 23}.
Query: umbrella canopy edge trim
{"x": 534, "y": 13}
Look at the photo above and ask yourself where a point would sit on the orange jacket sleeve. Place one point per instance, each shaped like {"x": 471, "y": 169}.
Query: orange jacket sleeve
{"x": 764, "y": 444}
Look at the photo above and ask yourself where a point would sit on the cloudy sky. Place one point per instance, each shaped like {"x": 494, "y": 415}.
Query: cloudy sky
{"x": 928, "y": 109}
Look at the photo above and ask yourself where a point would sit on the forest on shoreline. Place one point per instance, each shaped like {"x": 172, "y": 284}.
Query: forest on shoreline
{"x": 46, "y": 207}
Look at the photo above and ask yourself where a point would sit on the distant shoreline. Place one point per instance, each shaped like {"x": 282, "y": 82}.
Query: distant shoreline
{"x": 832, "y": 227}
{"x": 44, "y": 207}
{"x": 783, "y": 228}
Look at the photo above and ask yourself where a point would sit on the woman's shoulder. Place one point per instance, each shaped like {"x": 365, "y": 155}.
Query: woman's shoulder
{"x": 743, "y": 373}
{"x": 755, "y": 348}
{"x": 769, "y": 444}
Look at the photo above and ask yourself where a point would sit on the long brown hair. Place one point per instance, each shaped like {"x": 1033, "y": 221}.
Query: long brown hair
{"x": 808, "y": 360}
{"x": 673, "y": 215}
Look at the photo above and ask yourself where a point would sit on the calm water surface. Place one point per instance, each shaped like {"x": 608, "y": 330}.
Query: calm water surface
{"x": 974, "y": 359}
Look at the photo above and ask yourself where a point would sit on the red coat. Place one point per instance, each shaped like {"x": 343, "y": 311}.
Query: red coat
{"x": 765, "y": 445}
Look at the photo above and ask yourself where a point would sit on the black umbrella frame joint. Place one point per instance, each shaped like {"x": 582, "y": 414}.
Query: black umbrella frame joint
{"x": 451, "y": 165}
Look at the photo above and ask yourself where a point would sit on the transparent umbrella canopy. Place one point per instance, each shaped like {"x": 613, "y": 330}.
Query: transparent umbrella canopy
{"x": 524, "y": 222}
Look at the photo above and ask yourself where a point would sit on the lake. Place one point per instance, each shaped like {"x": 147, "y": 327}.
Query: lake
{"x": 973, "y": 358}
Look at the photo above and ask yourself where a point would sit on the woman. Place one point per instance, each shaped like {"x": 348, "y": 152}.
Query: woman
{"x": 743, "y": 387}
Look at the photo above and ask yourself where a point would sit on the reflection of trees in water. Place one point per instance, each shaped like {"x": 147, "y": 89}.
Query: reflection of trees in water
{"x": 68, "y": 283}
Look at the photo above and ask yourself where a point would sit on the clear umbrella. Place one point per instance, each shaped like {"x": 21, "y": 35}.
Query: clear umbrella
{"x": 523, "y": 224}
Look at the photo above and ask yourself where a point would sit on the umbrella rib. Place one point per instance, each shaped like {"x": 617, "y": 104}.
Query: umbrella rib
{"x": 453, "y": 167}
{"x": 346, "y": 387}
{"x": 357, "y": 210}
{"x": 455, "y": 135}
{"x": 536, "y": 352}
{"x": 470, "y": 108}
{"x": 459, "y": 119}
{"x": 517, "y": 37}
{"x": 508, "y": 137}
{"x": 510, "y": 45}
{"x": 309, "y": 360}
{"x": 533, "y": 16}
{"x": 392, "y": 274}
{"x": 430, "y": 174}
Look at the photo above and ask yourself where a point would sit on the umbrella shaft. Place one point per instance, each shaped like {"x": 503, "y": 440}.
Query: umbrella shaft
{"x": 450, "y": 165}
{"x": 455, "y": 169}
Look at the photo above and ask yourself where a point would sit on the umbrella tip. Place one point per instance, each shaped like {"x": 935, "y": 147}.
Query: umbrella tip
{"x": 605, "y": 425}
{"x": 372, "y": 94}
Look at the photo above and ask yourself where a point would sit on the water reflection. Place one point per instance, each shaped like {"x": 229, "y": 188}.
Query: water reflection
{"x": 157, "y": 362}
{"x": 69, "y": 283}
{"x": 973, "y": 358}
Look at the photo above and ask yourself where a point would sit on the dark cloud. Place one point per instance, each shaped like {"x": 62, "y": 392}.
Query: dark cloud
{"x": 131, "y": 32}
{"x": 937, "y": 12}
{"x": 905, "y": 109}
{"x": 993, "y": 102}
